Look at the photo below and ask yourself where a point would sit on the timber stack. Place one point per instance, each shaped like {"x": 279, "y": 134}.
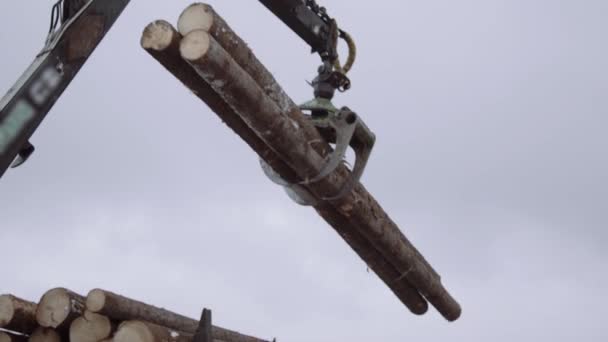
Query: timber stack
{"x": 212, "y": 61}
{"x": 62, "y": 315}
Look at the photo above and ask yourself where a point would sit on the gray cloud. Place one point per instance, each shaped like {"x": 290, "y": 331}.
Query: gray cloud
{"x": 490, "y": 117}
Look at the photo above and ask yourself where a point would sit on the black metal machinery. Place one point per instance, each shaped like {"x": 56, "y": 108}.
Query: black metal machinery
{"x": 77, "y": 27}
{"x": 339, "y": 126}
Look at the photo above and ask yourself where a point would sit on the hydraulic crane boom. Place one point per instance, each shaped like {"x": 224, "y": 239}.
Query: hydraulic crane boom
{"x": 22, "y": 109}
{"x": 78, "y": 26}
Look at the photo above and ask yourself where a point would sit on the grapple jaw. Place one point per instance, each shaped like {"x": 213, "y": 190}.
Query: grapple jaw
{"x": 341, "y": 128}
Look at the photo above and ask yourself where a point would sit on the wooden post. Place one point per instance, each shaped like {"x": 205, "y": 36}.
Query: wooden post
{"x": 17, "y": 314}
{"x": 91, "y": 327}
{"x": 286, "y": 136}
{"x": 124, "y": 309}
{"x": 161, "y": 40}
{"x": 203, "y": 333}
{"x": 58, "y": 308}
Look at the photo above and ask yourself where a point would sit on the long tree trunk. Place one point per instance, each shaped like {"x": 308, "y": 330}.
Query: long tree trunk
{"x": 161, "y": 40}
{"x": 285, "y": 136}
{"x": 17, "y": 314}
{"x": 58, "y": 308}
{"x": 203, "y": 16}
{"x": 91, "y": 327}
{"x": 124, "y": 309}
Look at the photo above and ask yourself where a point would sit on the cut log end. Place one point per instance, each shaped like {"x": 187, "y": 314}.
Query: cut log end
{"x": 53, "y": 309}
{"x": 90, "y": 327}
{"x": 10, "y": 337}
{"x": 45, "y": 335}
{"x": 4, "y": 337}
{"x": 7, "y": 310}
{"x": 195, "y": 45}
{"x": 158, "y": 35}
{"x": 197, "y": 16}
{"x": 133, "y": 332}
{"x": 96, "y": 300}
{"x": 59, "y": 307}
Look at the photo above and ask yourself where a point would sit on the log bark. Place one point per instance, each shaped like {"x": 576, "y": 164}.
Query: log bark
{"x": 162, "y": 41}
{"x": 58, "y": 308}
{"x": 285, "y": 136}
{"x": 42, "y": 334}
{"x": 200, "y": 16}
{"x": 124, "y": 309}
{"x": 91, "y": 327}
{"x": 139, "y": 331}
{"x": 17, "y": 314}
{"x": 6, "y": 336}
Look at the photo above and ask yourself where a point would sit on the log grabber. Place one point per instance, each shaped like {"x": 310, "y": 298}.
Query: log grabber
{"x": 340, "y": 127}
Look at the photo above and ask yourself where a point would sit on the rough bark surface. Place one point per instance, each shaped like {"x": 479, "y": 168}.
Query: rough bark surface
{"x": 122, "y": 308}
{"x": 58, "y": 308}
{"x": 285, "y": 135}
{"x": 161, "y": 40}
{"x": 17, "y": 314}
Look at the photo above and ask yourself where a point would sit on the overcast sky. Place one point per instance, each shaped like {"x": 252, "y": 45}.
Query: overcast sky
{"x": 491, "y": 119}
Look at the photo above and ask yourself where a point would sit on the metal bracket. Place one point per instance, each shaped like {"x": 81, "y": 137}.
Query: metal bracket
{"x": 24, "y": 154}
{"x": 344, "y": 129}
{"x": 66, "y": 50}
{"x": 204, "y": 330}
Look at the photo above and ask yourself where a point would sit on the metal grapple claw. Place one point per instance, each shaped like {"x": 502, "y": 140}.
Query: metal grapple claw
{"x": 344, "y": 129}
{"x": 343, "y": 124}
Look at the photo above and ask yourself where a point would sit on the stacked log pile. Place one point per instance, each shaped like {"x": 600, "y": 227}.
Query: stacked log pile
{"x": 211, "y": 60}
{"x": 63, "y": 315}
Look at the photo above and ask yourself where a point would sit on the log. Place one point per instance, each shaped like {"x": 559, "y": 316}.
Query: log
{"x": 58, "y": 308}
{"x": 122, "y": 308}
{"x": 6, "y": 336}
{"x": 139, "y": 331}
{"x": 17, "y": 314}
{"x": 42, "y": 334}
{"x": 200, "y": 16}
{"x": 91, "y": 327}
{"x": 162, "y": 41}
{"x": 285, "y": 136}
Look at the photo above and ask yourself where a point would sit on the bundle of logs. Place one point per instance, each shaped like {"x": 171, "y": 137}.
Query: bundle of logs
{"x": 62, "y": 315}
{"x": 211, "y": 60}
